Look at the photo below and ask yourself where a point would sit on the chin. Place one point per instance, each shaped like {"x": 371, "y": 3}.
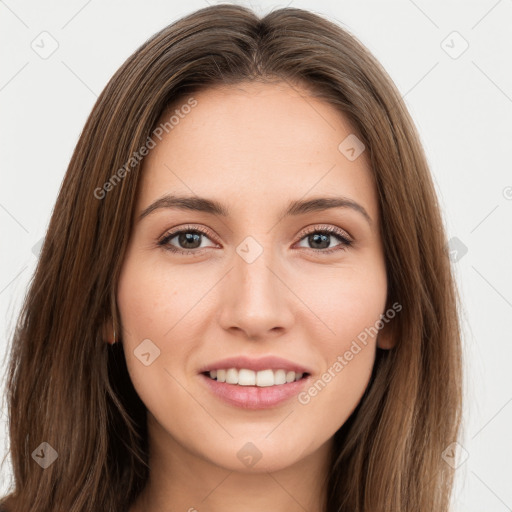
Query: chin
{"x": 257, "y": 456}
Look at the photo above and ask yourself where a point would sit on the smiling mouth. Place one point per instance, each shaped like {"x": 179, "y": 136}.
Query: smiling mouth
{"x": 262, "y": 378}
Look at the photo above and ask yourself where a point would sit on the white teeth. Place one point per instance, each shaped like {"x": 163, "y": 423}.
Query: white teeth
{"x": 246, "y": 377}
{"x": 263, "y": 378}
{"x": 280, "y": 377}
{"x": 232, "y": 376}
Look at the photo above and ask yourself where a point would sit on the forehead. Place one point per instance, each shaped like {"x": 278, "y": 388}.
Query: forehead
{"x": 255, "y": 142}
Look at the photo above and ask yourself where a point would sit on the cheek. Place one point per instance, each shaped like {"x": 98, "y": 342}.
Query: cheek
{"x": 151, "y": 299}
{"x": 149, "y": 308}
{"x": 347, "y": 301}
{"x": 349, "y": 305}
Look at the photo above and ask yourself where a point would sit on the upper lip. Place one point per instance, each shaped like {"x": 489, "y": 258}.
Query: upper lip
{"x": 261, "y": 363}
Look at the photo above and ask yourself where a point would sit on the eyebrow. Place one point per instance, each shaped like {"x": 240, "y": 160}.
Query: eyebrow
{"x": 294, "y": 208}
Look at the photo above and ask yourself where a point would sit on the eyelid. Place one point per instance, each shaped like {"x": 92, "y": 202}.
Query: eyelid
{"x": 325, "y": 227}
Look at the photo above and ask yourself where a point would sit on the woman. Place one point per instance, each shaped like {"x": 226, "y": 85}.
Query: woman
{"x": 243, "y": 297}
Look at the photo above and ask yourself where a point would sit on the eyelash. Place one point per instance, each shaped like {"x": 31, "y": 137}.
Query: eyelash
{"x": 322, "y": 229}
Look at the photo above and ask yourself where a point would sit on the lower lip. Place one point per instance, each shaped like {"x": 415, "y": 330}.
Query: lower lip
{"x": 254, "y": 397}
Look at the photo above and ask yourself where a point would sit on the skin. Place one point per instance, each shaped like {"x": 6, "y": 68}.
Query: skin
{"x": 254, "y": 147}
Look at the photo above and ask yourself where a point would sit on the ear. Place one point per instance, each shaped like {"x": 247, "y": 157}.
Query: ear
{"x": 386, "y": 338}
{"x": 107, "y": 331}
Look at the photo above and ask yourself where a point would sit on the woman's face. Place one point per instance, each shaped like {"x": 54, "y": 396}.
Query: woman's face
{"x": 252, "y": 287}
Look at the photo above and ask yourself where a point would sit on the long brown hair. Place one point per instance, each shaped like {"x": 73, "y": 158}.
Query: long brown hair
{"x": 70, "y": 389}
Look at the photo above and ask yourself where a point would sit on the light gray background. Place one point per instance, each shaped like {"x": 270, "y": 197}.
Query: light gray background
{"x": 462, "y": 107}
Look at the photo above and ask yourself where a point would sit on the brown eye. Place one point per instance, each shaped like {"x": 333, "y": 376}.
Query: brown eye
{"x": 186, "y": 241}
{"x": 320, "y": 240}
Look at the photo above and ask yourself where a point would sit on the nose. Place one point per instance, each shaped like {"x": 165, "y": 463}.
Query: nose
{"x": 256, "y": 299}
